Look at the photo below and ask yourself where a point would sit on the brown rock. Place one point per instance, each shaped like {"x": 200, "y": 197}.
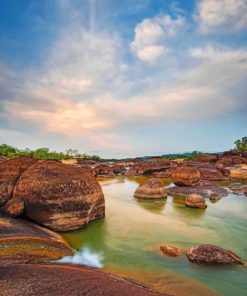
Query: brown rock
{"x": 24, "y": 241}
{"x": 205, "y": 191}
{"x": 61, "y": 197}
{"x": 170, "y": 250}
{"x": 185, "y": 176}
{"x": 14, "y": 207}
{"x": 118, "y": 169}
{"x": 239, "y": 172}
{"x": 214, "y": 197}
{"x": 195, "y": 201}
{"x": 153, "y": 188}
{"x": 65, "y": 280}
{"x": 150, "y": 166}
{"x": 104, "y": 171}
{"x": 212, "y": 254}
{"x": 10, "y": 171}
{"x": 209, "y": 158}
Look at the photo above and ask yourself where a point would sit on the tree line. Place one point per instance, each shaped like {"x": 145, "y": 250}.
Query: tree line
{"x": 44, "y": 153}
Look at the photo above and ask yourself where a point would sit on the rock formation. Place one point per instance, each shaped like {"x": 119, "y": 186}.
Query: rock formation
{"x": 170, "y": 250}
{"x": 104, "y": 171}
{"x": 153, "y": 188}
{"x": 58, "y": 196}
{"x": 205, "y": 191}
{"x": 195, "y": 201}
{"x": 212, "y": 254}
{"x": 185, "y": 176}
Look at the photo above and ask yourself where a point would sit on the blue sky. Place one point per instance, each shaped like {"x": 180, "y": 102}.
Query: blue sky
{"x": 123, "y": 78}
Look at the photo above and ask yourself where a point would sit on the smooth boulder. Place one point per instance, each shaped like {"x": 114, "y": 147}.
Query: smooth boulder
{"x": 195, "y": 201}
{"x": 151, "y": 189}
{"x": 22, "y": 241}
{"x": 212, "y": 254}
{"x": 170, "y": 250}
{"x": 204, "y": 190}
{"x": 185, "y": 176}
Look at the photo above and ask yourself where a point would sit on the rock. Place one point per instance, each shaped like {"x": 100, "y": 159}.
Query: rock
{"x": 205, "y": 191}
{"x": 103, "y": 171}
{"x": 212, "y": 254}
{"x": 65, "y": 280}
{"x": 229, "y": 161}
{"x": 185, "y": 176}
{"x": 236, "y": 187}
{"x": 170, "y": 250}
{"x": 58, "y": 196}
{"x": 209, "y": 158}
{"x": 24, "y": 241}
{"x": 214, "y": 197}
{"x": 118, "y": 169}
{"x": 150, "y": 166}
{"x": 239, "y": 172}
{"x": 209, "y": 171}
{"x": 153, "y": 188}
{"x": 195, "y": 201}
{"x": 10, "y": 171}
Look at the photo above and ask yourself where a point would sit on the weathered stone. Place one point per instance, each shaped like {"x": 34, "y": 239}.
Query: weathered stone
{"x": 239, "y": 172}
{"x": 10, "y": 171}
{"x": 150, "y": 166}
{"x": 104, "y": 171}
{"x": 205, "y": 191}
{"x": 195, "y": 201}
{"x": 212, "y": 254}
{"x": 185, "y": 176}
{"x": 170, "y": 250}
{"x": 209, "y": 158}
{"x": 153, "y": 188}
{"x": 214, "y": 197}
{"x": 24, "y": 241}
{"x": 65, "y": 280}
{"x": 14, "y": 207}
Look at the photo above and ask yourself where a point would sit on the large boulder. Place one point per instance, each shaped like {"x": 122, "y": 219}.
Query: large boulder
{"x": 185, "y": 176}
{"x": 153, "y": 188}
{"x": 212, "y": 254}
{"x": 58, "y": 196}
{"x": 239, "y": 171}
{"x": 195, "y": 201}
{"x": 150, "y": 166}
{"x": 23, "y": 241}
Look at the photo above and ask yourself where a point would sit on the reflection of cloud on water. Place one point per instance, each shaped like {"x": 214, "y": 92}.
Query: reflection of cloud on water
{"x": 85, "y": 257}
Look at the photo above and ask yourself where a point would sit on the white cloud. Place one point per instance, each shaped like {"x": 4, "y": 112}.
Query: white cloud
{"x": 226, "y": 15}
{"x": 150, "y": 35}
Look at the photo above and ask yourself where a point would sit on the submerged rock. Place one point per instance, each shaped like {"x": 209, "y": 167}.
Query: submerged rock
{"x": 212, "y": 254}
{"x": 24, "y": 241}
{"x": 58, "y": 196}
{"x": 170, "y": 250}
{"x": 195, "y": 201}
{"x": 205, "y": 191}
{"x": 153, "y": 188}
{"x": 185, "y": 176}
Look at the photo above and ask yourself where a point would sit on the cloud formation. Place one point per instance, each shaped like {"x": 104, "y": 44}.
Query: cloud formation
{"x": 226, "y": 15}
{"x": 150, "y": 35}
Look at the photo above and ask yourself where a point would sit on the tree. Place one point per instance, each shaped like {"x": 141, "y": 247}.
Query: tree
{"x": 241, "y": 144}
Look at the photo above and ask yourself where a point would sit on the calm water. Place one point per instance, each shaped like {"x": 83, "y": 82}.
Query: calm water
{"x": 127, "y": 241}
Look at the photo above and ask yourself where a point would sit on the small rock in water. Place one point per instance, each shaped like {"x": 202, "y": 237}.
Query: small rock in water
{"x": 213, "y": 255}
{"x": 236, "y": 187}
{"x": 153, "y": 188}
{"x": 214, "y": 197}
{"x": 170, "y": 250}
{"x": 195, "y": 201}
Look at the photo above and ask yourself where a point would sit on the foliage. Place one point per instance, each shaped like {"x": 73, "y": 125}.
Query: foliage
{"x": 44, "y": 153}
{"x": 189, "y": 155}
{"x": 241, "y": 144}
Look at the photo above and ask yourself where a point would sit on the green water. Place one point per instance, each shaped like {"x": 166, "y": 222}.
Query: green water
{"x": 129, "y": 238}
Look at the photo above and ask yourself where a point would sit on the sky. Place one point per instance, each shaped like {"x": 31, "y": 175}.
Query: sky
{"x": 123, "y": 78}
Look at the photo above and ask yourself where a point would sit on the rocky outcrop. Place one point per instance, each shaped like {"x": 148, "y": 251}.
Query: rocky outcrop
{"x": 204, "y": 191}
{"x": 153, "y": 188}
{"x": 209, "y": 158}
{"x": 229, "y": 161}
{"x": 170, "y": 250}
{"x": 118, "y": 169}
{"x": 239, "y": 172}
{"x": 103, "y": 171}
{"x": 24, "y": 241}
{"x": 212, "y": 254}
{"x": 185, "y": 176}
{"x": 58, "y": 196}
{"x": 65, "y": 280}
{"x": 150, "y": 166}
{"x": 195, "y": 201}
